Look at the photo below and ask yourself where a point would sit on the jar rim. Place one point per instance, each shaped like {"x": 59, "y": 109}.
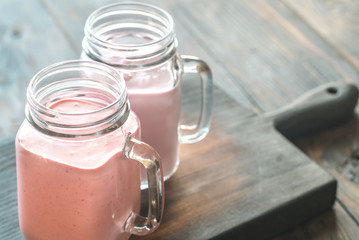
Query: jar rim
{"x": 48, "y": 85}
{"x": 143, "y": 8}
{"x": 74, "y": 63}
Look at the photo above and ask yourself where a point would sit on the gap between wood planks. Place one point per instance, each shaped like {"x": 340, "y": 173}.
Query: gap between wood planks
{"x": 347, "y": 211}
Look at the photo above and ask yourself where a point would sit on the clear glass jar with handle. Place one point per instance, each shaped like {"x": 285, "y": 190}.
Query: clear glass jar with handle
{"x": 139, "y": 41}
{"x": 78, "y": 158}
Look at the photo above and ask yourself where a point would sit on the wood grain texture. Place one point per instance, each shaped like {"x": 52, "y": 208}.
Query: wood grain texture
{"x": 249, "y": 35}
{"x": 337, "y": 152}
{"x": 336, "y": 21}
{"x": 334, "y": 224}
{"x": 29, "y": 41}
{"x": 9, "y": 225}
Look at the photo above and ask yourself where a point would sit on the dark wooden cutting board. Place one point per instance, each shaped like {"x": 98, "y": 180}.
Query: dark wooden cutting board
{"x": 243, "y": 181}
{"x": 246, "y": 180}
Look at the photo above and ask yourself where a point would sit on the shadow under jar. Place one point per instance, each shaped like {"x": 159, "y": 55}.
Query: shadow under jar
{"x": 138, "y": 40}
{"x": 78, "y": 158}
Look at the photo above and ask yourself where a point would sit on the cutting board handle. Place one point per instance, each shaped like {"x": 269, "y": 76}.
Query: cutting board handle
{"x": 323, "y": 107}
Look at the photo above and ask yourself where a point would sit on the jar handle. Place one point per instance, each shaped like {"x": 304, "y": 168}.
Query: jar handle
{"x": 149, "y": 158}
{"x": 196, "y": 132}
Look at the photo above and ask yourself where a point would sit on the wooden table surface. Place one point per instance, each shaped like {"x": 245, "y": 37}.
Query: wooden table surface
{"x": 264, "y": 54}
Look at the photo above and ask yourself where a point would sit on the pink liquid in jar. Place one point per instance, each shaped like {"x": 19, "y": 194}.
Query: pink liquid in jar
{"x": 139, "y": 41}
{"x": 155, "y": 97}
{"x": 76, "y": 188}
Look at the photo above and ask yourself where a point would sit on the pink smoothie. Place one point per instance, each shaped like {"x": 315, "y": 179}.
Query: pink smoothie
{"x": 155, "y": 96}
{"x": 157, "y": 103}
{"x": 76, "y": 189}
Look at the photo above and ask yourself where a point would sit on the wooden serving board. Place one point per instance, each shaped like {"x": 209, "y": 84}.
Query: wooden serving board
{"x": 246, "y": 180}
{"x": 243, "y": 181}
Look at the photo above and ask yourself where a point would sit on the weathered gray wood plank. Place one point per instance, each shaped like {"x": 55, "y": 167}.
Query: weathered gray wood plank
{"x": 336, "y": 21}
{"x": 273, "y": 54}
{"x": 29, "y": 41}
{"x": 9, "y": 226}
{"x": 334, "y": 224}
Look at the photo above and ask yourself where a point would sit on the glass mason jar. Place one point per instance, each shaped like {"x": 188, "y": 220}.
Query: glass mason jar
{"x": 78, "y": 158}
{"x": 139, "y": 41}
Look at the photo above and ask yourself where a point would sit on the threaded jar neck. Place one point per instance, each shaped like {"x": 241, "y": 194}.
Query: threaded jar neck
{"x": 129, "y": 35}
{"x": 79, "y": 82}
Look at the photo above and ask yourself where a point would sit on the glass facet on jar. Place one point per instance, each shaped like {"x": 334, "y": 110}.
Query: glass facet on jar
{"x": 138, "y": 40}
{"x": 78, "y": 158}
